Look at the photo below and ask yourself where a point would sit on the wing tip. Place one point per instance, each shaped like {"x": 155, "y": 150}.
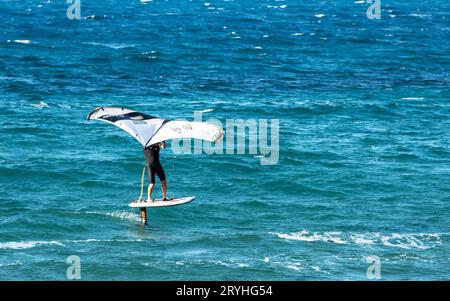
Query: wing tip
{"x": 219, "y": 136}
{"x": 93, "y": 112}
{"x": 89, "y": 116}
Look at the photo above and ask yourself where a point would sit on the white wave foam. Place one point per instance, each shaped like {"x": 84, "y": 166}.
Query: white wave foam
{"x": 422, "y": 241}
{"x": 412, "y": 98}
{"x": 410, "y": 241}
{"x": 277, "y": 6}
{"x": 40, "y": 105}
{"x": 298, "y": 34}
{"x": 419, "y": 15}
{"x": 295, "y": 266}
{"x": 306, "y": 236}
{"x": 206, "y": 110}
{"x": 16, "y": 245}
{"x": 292, "y": 264}
{"x": 319, "y": 15}
{"x": 10, "y": 264}
{"x": 359, "y": 239}
{"x": 93, "y": 17}
{"x": 62, "y": 106}
{"x": 125, "y": 215}
{"x": 149, "y": 52}
{"x": 220, "y": 262}
{"x": 111, "y": 45}
{"x": 20, "y": 41}
{"x": 89, "y": 240}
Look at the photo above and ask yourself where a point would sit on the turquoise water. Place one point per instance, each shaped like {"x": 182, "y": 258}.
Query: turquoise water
{"x": 364, "y": 139}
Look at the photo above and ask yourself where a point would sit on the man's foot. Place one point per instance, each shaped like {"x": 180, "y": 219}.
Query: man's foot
{"x": 165, "y": 199}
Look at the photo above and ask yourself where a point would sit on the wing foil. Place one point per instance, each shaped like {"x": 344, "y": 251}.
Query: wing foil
{"x": 149, "y": 130}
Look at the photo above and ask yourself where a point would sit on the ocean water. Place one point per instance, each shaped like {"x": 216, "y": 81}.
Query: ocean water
{"x": 364, "y": 153}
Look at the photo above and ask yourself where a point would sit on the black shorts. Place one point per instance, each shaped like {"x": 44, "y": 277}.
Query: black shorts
{"x": 158, "y": 170}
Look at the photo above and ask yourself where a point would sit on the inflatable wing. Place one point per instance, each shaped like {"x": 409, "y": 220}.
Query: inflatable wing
{"x": 149, "y": 130}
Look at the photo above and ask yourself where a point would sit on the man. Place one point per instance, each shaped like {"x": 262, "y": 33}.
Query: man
{"x": 154, "y": 167}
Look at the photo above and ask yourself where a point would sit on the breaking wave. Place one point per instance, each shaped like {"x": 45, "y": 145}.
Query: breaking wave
{"x": 17, "y": 245}
{"x": 422, "y": 241}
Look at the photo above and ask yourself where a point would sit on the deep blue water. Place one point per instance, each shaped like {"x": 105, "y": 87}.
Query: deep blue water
{"x": 363, "y": 105}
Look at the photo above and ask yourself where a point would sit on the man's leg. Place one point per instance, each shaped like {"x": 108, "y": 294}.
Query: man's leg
{"x": 150, "y": 190}
{"x": 162, "y": 178}
{"x": 151, "y": 177}
{"x": 164, "y": 188}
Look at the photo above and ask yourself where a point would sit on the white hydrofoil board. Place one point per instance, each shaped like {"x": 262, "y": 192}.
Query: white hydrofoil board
{"x": 160, "y": 203}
